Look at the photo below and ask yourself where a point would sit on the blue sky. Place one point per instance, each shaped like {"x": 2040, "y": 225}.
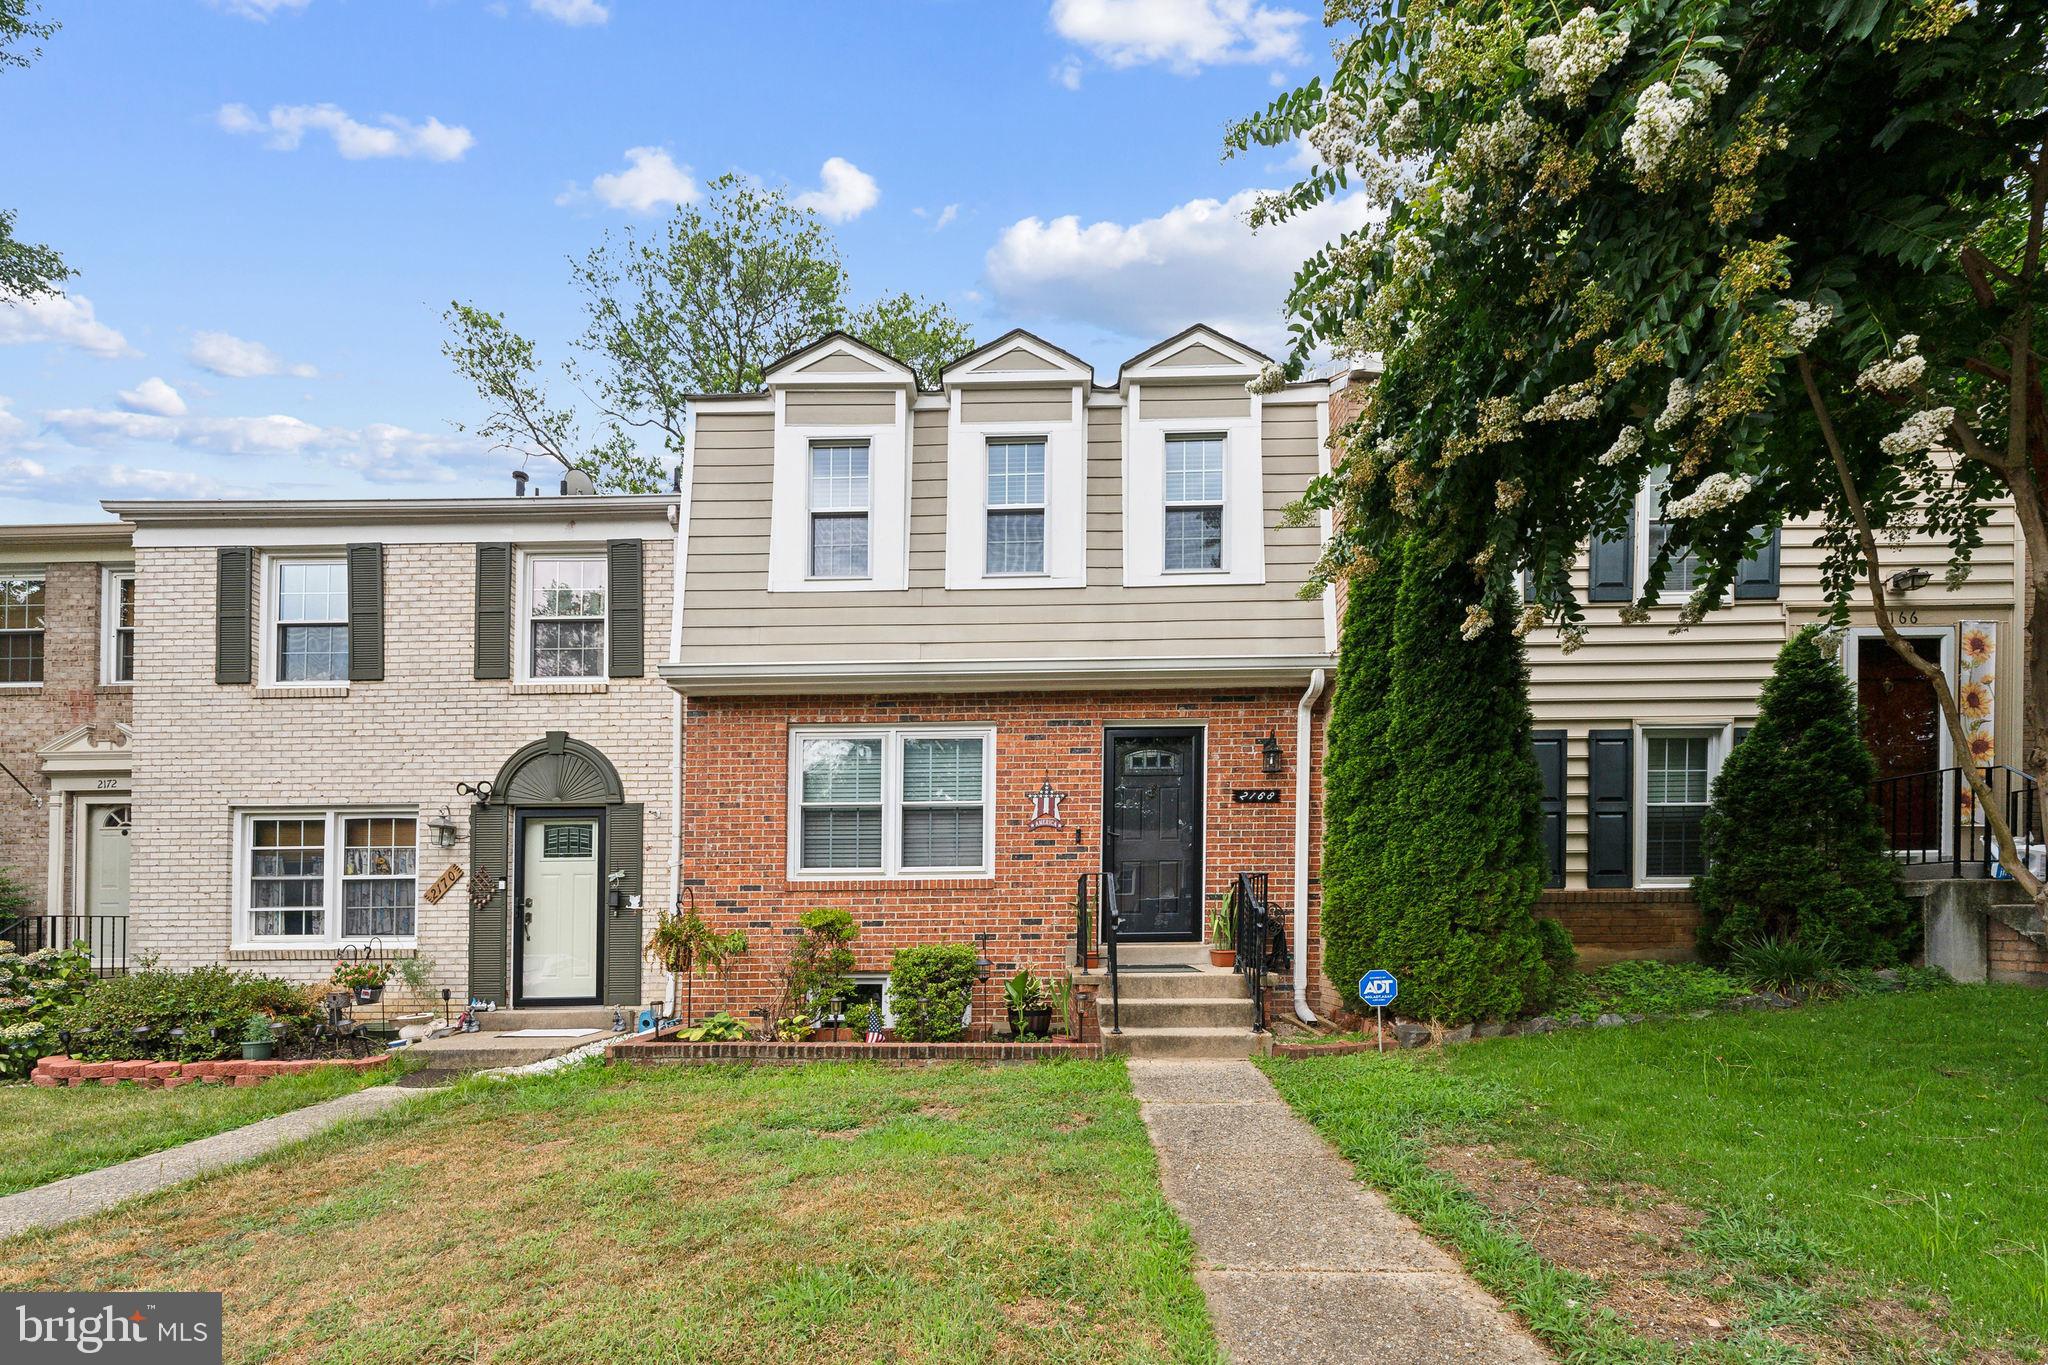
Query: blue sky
{"x": 270, "y": 202}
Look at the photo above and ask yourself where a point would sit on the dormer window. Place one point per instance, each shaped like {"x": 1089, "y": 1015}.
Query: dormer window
{"x": 839, "y": 509}
{"x": 1194, "y": 504}
{"x": 1016, "y": 507}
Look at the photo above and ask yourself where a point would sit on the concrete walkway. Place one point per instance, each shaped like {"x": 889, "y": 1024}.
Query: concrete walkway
{"x": 1298, "y": 1259}
{"x": 81, "y": 1196}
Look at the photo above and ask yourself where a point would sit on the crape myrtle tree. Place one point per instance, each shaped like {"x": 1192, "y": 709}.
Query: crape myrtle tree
{"x": 1788, "y": 251}
{"x": 1794, "y": 848}
{"x": 701, "y": 305}
{"x": 27, "y": 269}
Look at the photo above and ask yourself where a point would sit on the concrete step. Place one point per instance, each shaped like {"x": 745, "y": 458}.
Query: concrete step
{"x": 1218, "y": 1011}
{"x": 1169, "y": 985}
{"x": 574, "y": 1016}
{"x": 464, "y": 1052}
{"x": 1189, "y": 1042}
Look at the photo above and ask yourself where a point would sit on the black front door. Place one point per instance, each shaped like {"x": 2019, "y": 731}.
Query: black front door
{"x": 1153, "y": 846}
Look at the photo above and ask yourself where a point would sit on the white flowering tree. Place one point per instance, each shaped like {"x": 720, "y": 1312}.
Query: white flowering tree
{"x": 1786, "y": 251}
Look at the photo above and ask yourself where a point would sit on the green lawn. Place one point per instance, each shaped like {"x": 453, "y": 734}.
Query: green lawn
{"x": 818, "y": 1213}
{"x": 1892, "y": 1142}
{"x": 52, "y": 1133}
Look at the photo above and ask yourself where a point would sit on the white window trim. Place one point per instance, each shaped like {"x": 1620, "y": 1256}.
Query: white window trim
{"x": 41, "y": 576}
{"x": 1720, "y": 736}
{"x": 269, "y": 658}
{"x": 866, "y": 510}
{"x": 1648, "y": 504}
{"x": 891, "y": 869}
{"x": 789, "y": 522}
{"x": 111, "y": 578}
{"x": 245, "y": 939}
{"x": 1066, "y": 495}
{"x": 522, "y": 595}
{"x": 1244, "y": 496}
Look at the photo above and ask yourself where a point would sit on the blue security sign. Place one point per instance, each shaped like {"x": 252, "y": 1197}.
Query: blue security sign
{"x": 1378, "y": 989}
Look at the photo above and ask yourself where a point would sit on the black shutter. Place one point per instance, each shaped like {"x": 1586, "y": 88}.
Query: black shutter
{"x": 626, "y": 633}
{"x": 624, "y": 835}
{"x": 493, "y": 611}
{"x": 1611, "y": 568}
{"x": 366, "y": 613}
{"x": 488, "y": 863}
{"x": 234, "y": 585}
{"x": 1549, "y": 747}
{"x": 1741, "y": 733}
{"x": 1610, "y": 845}
{"x": 1756, "y": 578}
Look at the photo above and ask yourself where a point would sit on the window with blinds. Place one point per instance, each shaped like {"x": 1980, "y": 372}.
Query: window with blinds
{"x": 1016, "y": 507}
{"x": 839, "y": 509}
{"x": 884, "y": 803}
{"x": 1678, "y": 773}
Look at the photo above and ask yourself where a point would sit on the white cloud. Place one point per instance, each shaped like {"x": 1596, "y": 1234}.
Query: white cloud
{"x": 1197, "y": 262}
{"x": 232, "y": 357}
{"x": 844, "y": 192}
{"x": 651, "y": 180}
{"x": 10, "y": 425}
{"x": 37, "y": 482}
{"x": 286, "y": 125}
{"x": 574, "y": 13}
{"x": 153, "y": 395}
{"x": 1185, "y": 35}
{"x": 946, "y": 217}
{"x": 1068, "y": 73}
{"x": 259, "y": 10}
{"x": 379, "y": 451}
{"x": 60, "y": 320}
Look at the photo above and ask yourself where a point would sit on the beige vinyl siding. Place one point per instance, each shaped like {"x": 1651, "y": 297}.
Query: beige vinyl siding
{"x": 1193, "y": 402}
{"x": 1196, "y": 354}
{"x": 840, "y": 407}
{"x": 1050, "y": 404}
{"x": 1016, "y": 358}
{"x": 839, "y": 363}
{"x": 731, "y": 618}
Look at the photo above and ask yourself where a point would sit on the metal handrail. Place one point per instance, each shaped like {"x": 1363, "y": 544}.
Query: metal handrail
{"x": 1111, "y": 921}
{"x": 105, "y": 937}
{"x": 1252, "y": 926}
{"x": 1931, "y": 818}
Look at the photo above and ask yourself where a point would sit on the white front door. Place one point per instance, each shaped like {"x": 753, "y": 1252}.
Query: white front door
{"x": 106, "y": 860}
{"x": 558, "y": 911}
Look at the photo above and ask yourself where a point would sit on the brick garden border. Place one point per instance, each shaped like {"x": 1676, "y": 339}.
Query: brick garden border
{"x": 52, "y": 1072}
{"x": 671, "y": 1051}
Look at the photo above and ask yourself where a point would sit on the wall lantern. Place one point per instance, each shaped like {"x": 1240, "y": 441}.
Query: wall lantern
{"x": 1909, "y": 580}
{"x": 443, "y": 826}
{"x": 1269, "y": 753}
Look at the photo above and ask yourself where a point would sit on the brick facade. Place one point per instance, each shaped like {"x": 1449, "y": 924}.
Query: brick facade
{"x": 1610, "y": 925}
{"x": 204, "y": 751}
{"x": 2015, "y": 959}
{"x": 735, "y": 825}
{"x": 31, "y": 717}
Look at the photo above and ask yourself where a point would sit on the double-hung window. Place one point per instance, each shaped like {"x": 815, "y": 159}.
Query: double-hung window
{"x": 312, "y": 620}
{"x": 1016, "y": 506}
{"x": 117, "y": 642}
{"x": 565, "y": 617}
{"x": 1682, "y": 573}
{"x": 839, "y": 509}
{"x": 1678, "y": 773}
{"x": 888, "y": 803}
{"x": 1194, "y": 503}
{"x": 21, "y": 629}
{"x": 293, "y": 880}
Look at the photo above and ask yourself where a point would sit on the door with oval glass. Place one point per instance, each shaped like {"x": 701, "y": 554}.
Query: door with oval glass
{"x": 559, "y": 921}
{"x": 1153, "y": 836}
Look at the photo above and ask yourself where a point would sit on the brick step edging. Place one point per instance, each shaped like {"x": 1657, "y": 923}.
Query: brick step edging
{"x": 669, "y": 1051}
{"x": 62, "y": 1071}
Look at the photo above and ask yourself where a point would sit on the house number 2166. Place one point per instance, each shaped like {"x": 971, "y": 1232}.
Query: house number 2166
{"x": 1906, "y": 616}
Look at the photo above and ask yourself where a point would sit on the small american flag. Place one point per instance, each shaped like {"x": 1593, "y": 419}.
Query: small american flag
{"x": 875, "y": 1027}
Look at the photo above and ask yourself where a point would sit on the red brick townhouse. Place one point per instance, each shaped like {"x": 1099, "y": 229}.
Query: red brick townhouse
{"x": 944, "y": 652}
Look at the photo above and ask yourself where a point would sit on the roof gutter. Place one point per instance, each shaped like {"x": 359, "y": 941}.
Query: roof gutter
{"x": 1303, "y": 733}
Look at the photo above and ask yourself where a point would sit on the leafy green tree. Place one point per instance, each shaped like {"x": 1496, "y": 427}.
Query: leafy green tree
{"x": 1793, "y": 845}
{"x": 703, "y": 305}
{"x": 26, "y": 269}
{"x": 1781, "y": 249}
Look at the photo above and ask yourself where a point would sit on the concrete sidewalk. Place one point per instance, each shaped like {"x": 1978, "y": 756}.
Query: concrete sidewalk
{"x": 81, "y": 1196}
{"x": 1299, "y": 1260}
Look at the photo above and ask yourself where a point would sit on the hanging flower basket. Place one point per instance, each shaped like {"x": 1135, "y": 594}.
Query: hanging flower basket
{"x": 369, "y": 995}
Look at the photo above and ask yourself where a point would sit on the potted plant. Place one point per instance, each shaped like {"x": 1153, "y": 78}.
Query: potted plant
{"x": 1030, "y": 1011}
{"x": 256, "y": 1041}
{"x": 683, "y": 945}
{"x": 1223, "y": 933}
{"x": 366, "y": 979}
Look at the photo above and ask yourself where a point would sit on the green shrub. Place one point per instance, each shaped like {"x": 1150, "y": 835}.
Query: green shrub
{"x": 930, "y": 987}
{"x": 13, "y": 894}
{"x": 1793, "y": 845}
{"x": 1812, "y": 964}
{"x": 34, "y": 989}
{"x": 1647, "y": 988}
{"x": 718, "y": 1028}
{"x": 1434, "y": 805}
{"x": 123, "y": 1018}
{"x": 820, "y": 964}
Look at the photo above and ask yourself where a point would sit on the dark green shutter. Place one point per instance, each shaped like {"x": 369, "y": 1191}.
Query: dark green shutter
{"x": 488, "y": 842}
{"x": 1549, "y": 747}
{"x": 1610, "y": 847}
{"x": 624, "y": 837}
{"x": 1611, "y": 568}
{"x": 493, "y": 611}
{"x": 233, "y": 588}
{"x": 627, "y": 632}
{"x": 1741, "y": 733}
{"x": 1756, "y": 578}
{"x": 366, "y": 613}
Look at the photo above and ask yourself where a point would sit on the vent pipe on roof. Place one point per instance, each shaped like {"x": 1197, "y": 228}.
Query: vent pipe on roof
{"x": 518, "y": 483}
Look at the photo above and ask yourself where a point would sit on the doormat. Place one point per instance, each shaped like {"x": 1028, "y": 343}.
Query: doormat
{"x": 549, "y": 1032}
{"x": 1158, "y": 967}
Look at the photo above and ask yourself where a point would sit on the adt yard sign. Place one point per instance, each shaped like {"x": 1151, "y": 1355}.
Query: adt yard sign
{"x": 1378, "y": 989}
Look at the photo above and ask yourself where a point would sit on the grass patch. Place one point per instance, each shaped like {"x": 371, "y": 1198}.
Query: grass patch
{"x": 604, "y": 1214}
{"x": 55, "y": 1132}
{"x": 1881, "y": 1145}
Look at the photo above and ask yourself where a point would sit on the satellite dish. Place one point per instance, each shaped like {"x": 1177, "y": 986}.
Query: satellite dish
{"x": 577, "y": 484}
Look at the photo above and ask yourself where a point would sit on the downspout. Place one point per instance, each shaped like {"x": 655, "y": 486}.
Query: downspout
{"x": 1303, "y": 732}
{"x": 681, "y": 512}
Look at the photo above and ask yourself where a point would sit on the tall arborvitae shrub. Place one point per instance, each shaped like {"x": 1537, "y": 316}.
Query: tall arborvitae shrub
{"x": 1435, "y": 815}
{"x": 1793, "y": 845}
